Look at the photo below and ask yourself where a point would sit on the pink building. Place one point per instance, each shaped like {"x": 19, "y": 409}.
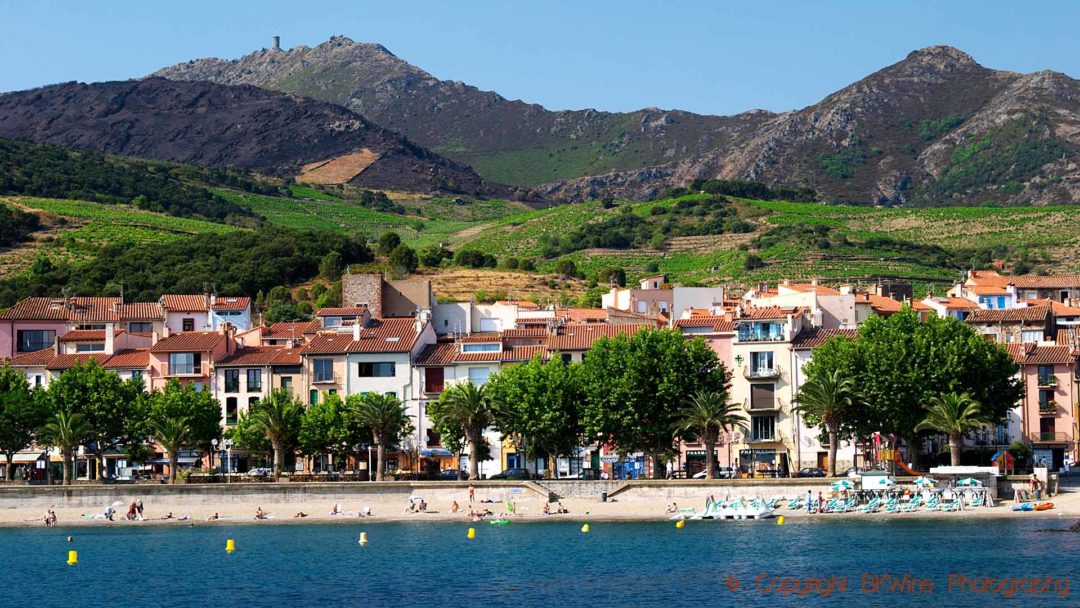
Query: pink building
{"x": 188, "y": 356}
{"x": 1047, "y": 414}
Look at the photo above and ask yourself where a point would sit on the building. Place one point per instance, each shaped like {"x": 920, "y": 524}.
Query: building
{"x": 1048, "y": 407}
{"x": 653, "y": 295}
{"x": 1029, "y": 324}
{"x": 826, "y": 307}
{"x": 810, "y": 451}
{"x": 188, "y": 357}
{"x": 387, "y": 298}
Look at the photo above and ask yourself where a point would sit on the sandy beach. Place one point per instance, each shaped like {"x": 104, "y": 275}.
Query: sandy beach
{"x": 394, "y": 509}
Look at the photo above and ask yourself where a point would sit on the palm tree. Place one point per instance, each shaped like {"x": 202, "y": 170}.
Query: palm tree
{"x": 468, "y": 407}
{"x": 278, "y": 417}
{"x": 707, "y": 413}
{"x": 385, "y": 415}
{"x": 953, "y": 415}
{"x": 172, "y": 434}
{"x": 830, "y": 400}
{"x": 65, "y": 431}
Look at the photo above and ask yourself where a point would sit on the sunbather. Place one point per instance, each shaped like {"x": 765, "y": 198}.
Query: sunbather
{"x": 259, "y": 513}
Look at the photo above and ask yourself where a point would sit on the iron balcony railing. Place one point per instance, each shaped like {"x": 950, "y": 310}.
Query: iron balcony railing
{"x": 1048, "y": 381}
{"x": 1050, "y": 437}
{"x": 760, "y": 373}
{"x": 1048, "y": 408}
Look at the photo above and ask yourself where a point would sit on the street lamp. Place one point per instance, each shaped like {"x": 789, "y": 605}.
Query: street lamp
{"x": 214, "y": 444}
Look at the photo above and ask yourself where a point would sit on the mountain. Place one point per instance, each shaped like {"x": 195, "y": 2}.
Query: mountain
{"x": 936, "y": 128}
{"x": 212, "y": 125}
{"x": 504, "y": 140}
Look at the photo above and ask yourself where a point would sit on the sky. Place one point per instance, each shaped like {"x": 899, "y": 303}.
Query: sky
{"x": 713, "y": 57}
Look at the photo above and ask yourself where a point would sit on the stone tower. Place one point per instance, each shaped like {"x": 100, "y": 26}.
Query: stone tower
{"x": 277, "y": 43}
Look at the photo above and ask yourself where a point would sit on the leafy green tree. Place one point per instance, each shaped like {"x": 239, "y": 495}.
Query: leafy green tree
{"x": 278, "y": 418}
{"x": 954, "y": 415}
{"x": 540, "y": 403}
{"x": 66, "y": 431}
{"x": 388, "y": 421}
{"x": 900, "y": 363}
{"x": 830, "y": 401}
{"x": 199, "y": 409}
{"x": 433, "y": 255}
{"x": 566, "y": 268}
{"x": 388, "y": 242}
{"x": 21, "y": 415}
{"x": 331, "y": 265}
{"x": 282, "y": 310}
{"x": 324, "y": 427}
{"x": 403, "y": 259}
{"x": 706, "y": 414}
{"x": 172, "y": 433}
{"x": 634, "y": 386}
{"x": 593, "y": 298}
{"x": 464, "y": 411}
{"x": 109, "y": 405}
{"x": 612, "y": 276}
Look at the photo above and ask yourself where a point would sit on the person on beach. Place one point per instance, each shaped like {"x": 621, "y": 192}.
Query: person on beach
{"x": 299, "y": 514}
{"x": 168, "y": 515}
{"x": 454, "y": 507}
{"x": 472, "y": 493}
{"x": 422, "y": 507}
{"x": 673, "y": 508}
{"x": 809, "y": 502}
{"x": 561, "y": 509}
{"x": 547, "y": 509}
{"x": 820, "y": 501}
{"x": 132, "y": 510}
{"x": 213, "y": 517}
{"x": 139, "y": 508}
{"x": 336, "y": 510}
{"x": 259, "y": 513}
{"x": 365, "y": 512}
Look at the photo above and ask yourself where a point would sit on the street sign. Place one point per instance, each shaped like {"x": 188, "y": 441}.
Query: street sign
{"x": 611, "y": 459}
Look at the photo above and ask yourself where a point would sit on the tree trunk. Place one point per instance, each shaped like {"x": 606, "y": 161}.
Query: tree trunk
{"x": 657, "y": 464}
{"x": 474, "y": 451}
{"x": 100, "y": 467}
{"x": 9, "y": 473}
{"x": 67, "y": 468}
{"x": 710, "y": 458}
{"x": 913, "y": 450}
{"x": 380, "y": 459}
{"x": 833, "y": 438}
{"x": 279, "y": 458}
{"x": 174, "y": 461}
{"x": 954, "y": 449}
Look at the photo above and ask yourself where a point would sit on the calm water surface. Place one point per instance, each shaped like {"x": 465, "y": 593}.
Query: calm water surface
{"x": 542, "y": 564}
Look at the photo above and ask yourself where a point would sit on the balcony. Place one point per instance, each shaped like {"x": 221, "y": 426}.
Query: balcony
{"x": 760, "y": 373}
{"x": 184, "y": 371}
{"x": 762, "y": 405}
{"x": 325, "y": 379}
{"x": 1048, "y": 382}
{"x": 763, "y": 438}
{"x": 1050, "y": 437}
{"x": 1048, "y": 409}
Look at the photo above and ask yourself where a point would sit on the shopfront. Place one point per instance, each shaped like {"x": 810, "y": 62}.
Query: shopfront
{"x": 695, "y": 461}
{"x": 763, "y": 462}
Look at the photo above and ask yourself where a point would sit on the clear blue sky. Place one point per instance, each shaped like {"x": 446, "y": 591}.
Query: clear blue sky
{"x": 715, "y": 57}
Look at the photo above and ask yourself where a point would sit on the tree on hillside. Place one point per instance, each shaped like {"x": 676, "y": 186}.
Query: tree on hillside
{"x": 954, "y": 415}
{"x": 706, "y": 414}
{"x": 464, "y": 411}
{"x": 110, "y": 406}
{"x": 331, "y": 265}
{"x": 900, "y": 363}
{"x": 388, "y": 242}
{"x": 199, "y": 410}
{"x": 403, "y": 259}
{"x": 634, "y": 386}
{"x": 539, "y": 402}
{"x": 278, "y": 417}
{"x": 21, "y": 415}
{"x": 566, "y": 268}
{"x": 388, "y": 421}
{"x": 828, "y": 400}
{"x": 66, "y": 431}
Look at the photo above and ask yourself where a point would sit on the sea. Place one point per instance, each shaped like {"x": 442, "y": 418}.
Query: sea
{"x": 802, "y": 562}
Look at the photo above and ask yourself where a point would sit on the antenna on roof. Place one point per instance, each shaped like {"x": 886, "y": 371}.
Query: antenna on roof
{"x": 121, "y": 292}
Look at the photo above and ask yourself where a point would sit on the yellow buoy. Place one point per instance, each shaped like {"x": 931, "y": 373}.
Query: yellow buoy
{"x": 73, "y": 557}
{"x": 585, "y": 528}
{"x": 363, "y": 538}
{"x": 230, "y": 546}
{"x": 472, "y": 533}
{"x": 680, "y": 524}
{"x": 780, "y": 520}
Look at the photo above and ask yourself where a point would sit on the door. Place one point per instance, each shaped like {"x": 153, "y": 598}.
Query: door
{"x": 823, "y": 460}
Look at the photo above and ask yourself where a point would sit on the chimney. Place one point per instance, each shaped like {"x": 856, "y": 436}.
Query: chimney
{"x": 356, "y": 329}
{"x": 277, "y": 43}
{"x": 814, "y": 282}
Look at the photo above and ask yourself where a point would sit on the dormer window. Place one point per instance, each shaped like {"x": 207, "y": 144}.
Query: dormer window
{"x": 481, "y": 348}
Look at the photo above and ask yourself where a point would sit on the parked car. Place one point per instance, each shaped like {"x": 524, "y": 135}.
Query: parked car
{"x": 721, "y": 473}
{"x": 518, "y": 474}
{"x": 452, "y": 475}
{"x": 260, "y": 472}
{"x": 812, "y": 472}
{"x": 853, "y": 472}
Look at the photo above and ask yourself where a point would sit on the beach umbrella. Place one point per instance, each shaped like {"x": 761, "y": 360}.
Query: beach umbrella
{"x": 925, "y": 481}
{"x": 970, "y": 482}
{"x": 842, "y": 484}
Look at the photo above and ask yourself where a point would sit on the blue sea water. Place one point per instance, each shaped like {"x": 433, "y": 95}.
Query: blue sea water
{"x": 550, "y": 564}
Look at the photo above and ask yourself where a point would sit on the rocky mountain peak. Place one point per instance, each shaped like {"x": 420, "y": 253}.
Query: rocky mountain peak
{"x": 939, "y": 58}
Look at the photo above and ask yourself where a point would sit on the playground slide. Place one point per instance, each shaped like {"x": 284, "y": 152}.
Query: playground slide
{"x": 907, "y": 469}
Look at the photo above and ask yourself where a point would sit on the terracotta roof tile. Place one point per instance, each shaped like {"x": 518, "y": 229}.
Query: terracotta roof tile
{"x": 140, "y": 311}
{"x": 84, "y": 335}
{"x": 379, "y": 336}
{"x": 231, "y": 302}
{"x": 717, "y": 324}
{"x": 188, "y": 342}
{"x": 821, "y": 290}
{"x": 1032, "y": 354}
{"x": 185, "y": 302}
{"x": 439, "y": 354}
{"x": 883, "y": 305}
{"x": 132, "y": 357}
{"x": 487, "y": 336}
{"x": 581, "y": 337}
{"x": 291, "y": 329}
{"x": 1009, "y": 315}
{"x": 1059, "y": 309}
{"x": 61, "y": 362}
{"x": 1052, "y": 281}
{"x": 33, "y": 359}
{"x": 814, "y": 338}
{"x": 261, "y": 355}
{"x": 343, "y": 311}
{"x": 768, "y": 312}
{"x": 536, "y": 332}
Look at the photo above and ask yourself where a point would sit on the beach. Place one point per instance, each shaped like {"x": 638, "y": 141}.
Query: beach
{"x": 282, "y": 506}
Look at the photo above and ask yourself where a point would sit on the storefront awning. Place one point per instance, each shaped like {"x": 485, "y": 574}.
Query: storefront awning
{"x": 22, "y": 457}
{"x": 436, "y": 452}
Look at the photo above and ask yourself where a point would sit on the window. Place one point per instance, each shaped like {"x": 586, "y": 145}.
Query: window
{"x": 1046, "y": 376}
{"x": 332, "y": 322}
{"x": 286, "y": 383}
{"x": 1031, "y": 335}
{"x": 185, "y": 364}
{"x": 188, "y": 324}
{"x": 136, "y": 374}
{"x": 31, "y": 340}
{"x": 94, "y": 347}
{"x": 313, "y": 397}
{"x": 479, "y": 375}
{"x": 481, "y": 348}
{"x": 761, "y": 362}
{"x": 663, "y": 307}
{"x": 140, "y": 328}
{"x": 434, "y": 379}
{"x": 254, "y": 380}
{"x": 762, "y": 396}
{"x": 376, "y": 369}
{"x": 37, "y": 380}
{"x": 763, "y": 428}
{"x": 251, "y": 402}
{"x": 232, "y": 381}
{"x": 391, "y": 394}
{"x": 567, "y": 358}
{"x": 642, "y": 306}
{"x": 324, "y": 370}
{"x": 230, "y": 410}
{"x": 1046, "y": 401}
{"x": 332, "y": 391}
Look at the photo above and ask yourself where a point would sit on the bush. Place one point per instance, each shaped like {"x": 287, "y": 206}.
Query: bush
{"x": 474, "y": 259}
{"x": 331, "y": 266}
{"x": 528, "y": 265}
{"x": 566, "y": 268}
{"x": 404, "y": 259}
{"x": 387, "y": 243}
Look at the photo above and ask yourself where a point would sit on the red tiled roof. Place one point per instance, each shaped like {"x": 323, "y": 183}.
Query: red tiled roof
{"x": 960, "y": 304}
{"x": 1032, "y": 354}
{"x": 439, "y": 354}
{"x": 988, "y": 290}
{"x": 140, "y": 311}
{"x": 814, "y": 338}
{"x": 132, "y": 357}
{"x": 188, "y": 342}
{"x": 718, "y": 324}
{"x": 583, "y": 315}
{"x": 344, "y": 311}
{"x": 768, "y": 312}
{"x": 185, "y": 302}
{"x": 60, "y": 362}
{"x": 1009, "y": 315}
{"x": 1069, "y": 336}
{"x": 1060, "y": 310}
{"x": 262, "y": 355}
{"x": 821, "y": 290}
{"x": 1052, "y": 281}
{"x": 231, "y": 302}
{"x": 536, "y": 332}
{"x": 58, "y": 309}
{"x": 486, "y": 336}
{"x": 581, "y": 337}
{"x": 884, "y": 305}
{"x": 379, "y": 336}
{"x": 291, "y": 329}
{"x": 84, "y": 335}
{"x": 33, "y": 359}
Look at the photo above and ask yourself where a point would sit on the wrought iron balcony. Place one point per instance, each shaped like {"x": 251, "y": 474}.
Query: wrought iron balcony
{"x": 1050, "y": 437}
{"x": 760, "y": 373}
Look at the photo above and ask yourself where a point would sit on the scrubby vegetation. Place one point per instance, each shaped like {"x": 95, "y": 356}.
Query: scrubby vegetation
{"x": 15, "y": 225}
